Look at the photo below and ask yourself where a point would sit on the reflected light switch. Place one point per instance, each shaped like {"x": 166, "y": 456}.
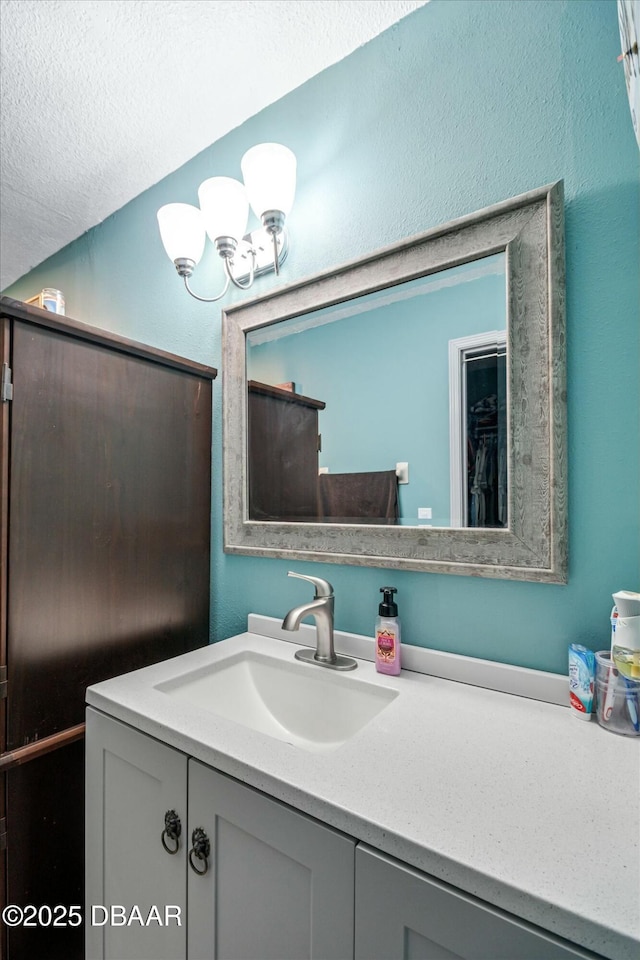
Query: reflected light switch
{"x": 425, "y": 513}
{"x": 402, "y": 472}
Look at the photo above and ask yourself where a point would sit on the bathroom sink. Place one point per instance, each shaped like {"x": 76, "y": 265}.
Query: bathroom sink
{"x": 302, "y": 704}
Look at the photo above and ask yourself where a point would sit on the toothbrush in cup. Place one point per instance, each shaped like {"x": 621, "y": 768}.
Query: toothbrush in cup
{"x": 610, "y": 695}
{"x": 632, "y": 704}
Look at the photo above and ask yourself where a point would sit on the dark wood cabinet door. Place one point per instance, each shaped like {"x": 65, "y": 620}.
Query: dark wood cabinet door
{"x": 105, "y": 491}
{"x": 109, "y": 507}
{"x": 283, "y": 454}
{"x": 45, "y": 855}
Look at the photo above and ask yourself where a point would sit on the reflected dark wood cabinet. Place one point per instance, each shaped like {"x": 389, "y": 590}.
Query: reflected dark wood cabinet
{"x": 105, "y": 458}
{"x": 283, "y": 453}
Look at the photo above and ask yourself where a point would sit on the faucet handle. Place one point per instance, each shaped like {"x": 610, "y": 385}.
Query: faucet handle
{"x": 323, "y": 587}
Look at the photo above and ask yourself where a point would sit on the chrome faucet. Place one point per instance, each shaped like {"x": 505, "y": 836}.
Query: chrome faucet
{"x": 321, "y": 608}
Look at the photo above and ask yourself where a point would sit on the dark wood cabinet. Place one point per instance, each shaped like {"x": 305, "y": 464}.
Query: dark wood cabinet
{"x": 105, "y": 463}
{"x": 283, "y": 454}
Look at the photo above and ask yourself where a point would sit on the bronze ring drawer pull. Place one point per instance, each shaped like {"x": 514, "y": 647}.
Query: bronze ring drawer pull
{"x": 172, "y": 831}
{"x": 201, "y": 848}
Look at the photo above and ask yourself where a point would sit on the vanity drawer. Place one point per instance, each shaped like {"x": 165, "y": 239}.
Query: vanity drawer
{"x": 405, "y": 914}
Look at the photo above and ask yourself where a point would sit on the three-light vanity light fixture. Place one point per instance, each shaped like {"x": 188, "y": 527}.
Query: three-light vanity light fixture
{"x": 269, "y": 173}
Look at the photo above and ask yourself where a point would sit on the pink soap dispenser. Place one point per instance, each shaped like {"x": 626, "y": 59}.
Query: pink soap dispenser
{"x": 388, "y": 634}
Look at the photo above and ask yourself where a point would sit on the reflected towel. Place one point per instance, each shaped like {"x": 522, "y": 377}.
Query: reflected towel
{"x": 358, "y": 497}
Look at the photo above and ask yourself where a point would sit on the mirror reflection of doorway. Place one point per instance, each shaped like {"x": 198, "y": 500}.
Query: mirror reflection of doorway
{"x": 486, "y": 453}
{"x": 478, "y": 430}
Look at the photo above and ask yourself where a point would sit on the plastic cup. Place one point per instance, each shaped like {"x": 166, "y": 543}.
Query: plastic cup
{"x": 617, "y": 698}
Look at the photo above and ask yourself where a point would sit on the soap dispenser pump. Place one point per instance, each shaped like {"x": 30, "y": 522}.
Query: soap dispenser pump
{"x": 388, "y": 634}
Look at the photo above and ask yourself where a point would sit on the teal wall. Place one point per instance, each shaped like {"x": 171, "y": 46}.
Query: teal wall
{"x": 461, "y": 105}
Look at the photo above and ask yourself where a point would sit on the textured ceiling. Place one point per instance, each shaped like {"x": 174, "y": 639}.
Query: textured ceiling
{"x": 103, "y": 98}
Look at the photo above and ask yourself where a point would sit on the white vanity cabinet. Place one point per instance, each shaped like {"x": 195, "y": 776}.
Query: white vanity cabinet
{"x": 382, "y": 847}
{"x": 280, "y": 885}
{"x": 275, "y": 884}
{"x": 131, "y": 782}
{"x": 403, "y": 914}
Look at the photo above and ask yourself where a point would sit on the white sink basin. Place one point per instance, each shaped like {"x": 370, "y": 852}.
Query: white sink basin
{"x": 303, "y": 704}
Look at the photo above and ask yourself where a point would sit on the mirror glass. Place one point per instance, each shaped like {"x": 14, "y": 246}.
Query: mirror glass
{"x": 408, "y": 409}
{"x": 409, "y": 375}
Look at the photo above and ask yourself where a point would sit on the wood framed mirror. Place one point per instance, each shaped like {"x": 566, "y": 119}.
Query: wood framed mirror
{"x": 339, "y": 384}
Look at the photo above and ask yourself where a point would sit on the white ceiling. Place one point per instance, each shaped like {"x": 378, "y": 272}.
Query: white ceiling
{"x": 100, "y": 99}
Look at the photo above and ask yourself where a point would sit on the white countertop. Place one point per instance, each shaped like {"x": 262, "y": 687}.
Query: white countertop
{"x": 510, "y": 799}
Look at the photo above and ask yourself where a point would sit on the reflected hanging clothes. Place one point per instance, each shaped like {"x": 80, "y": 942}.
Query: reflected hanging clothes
{"x": 487, "y": 464}
{"x": 483, "y": 482}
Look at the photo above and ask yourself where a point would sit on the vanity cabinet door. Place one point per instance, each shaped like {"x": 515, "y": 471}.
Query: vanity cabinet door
{"x": 404, "y": 914}
{"x": 132, "y": 781}
{"x": 279, "y": 885}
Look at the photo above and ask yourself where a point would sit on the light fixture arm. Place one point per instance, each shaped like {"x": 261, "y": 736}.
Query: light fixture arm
{"x": 226, "y": 247}
{"x": 206, "y": 299}
{"x": 228, "y": 263}
{"x": 185, "y": 268}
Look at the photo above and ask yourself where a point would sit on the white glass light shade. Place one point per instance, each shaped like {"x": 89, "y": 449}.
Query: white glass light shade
{"x": 224, "y": 206}
{"x": 269, "y": 172}
{"x": 182, "y": 231}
